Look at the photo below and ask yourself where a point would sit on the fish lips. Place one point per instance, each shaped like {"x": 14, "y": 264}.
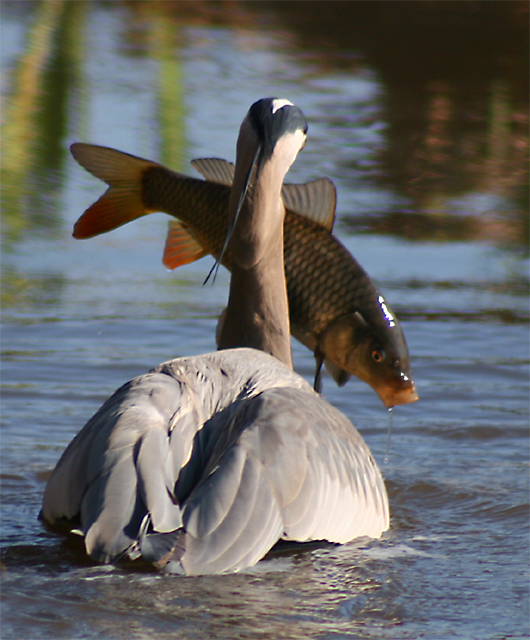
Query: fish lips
{"x": 393, "y": 395}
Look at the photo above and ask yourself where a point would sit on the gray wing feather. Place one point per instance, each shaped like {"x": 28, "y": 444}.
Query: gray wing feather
{"x": 250, "y": 525}
{"x": 208, "y": 461}
{"x": 334, "y": 453}
{"x": 119, "y": 467}
{"x": 292, "y": 472}
{"x": 125, "y": 462}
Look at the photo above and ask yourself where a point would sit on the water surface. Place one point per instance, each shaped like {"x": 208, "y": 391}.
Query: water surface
{"x": 430, "y": 181}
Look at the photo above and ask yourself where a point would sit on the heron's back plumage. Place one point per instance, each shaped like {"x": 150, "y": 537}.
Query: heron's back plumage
{"x": 233, "y": 450}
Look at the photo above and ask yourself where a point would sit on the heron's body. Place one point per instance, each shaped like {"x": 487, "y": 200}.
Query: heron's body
{"x": 203, "y": 464}
{"x": 231, "y": 449}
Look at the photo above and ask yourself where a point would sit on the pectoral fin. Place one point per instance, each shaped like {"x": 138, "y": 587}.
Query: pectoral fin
{"x": 340, "y": 376}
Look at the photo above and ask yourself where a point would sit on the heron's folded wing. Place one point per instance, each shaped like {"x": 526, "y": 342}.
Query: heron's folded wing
{"x": 123, "y": 465}
{"x": 298, "y": 470}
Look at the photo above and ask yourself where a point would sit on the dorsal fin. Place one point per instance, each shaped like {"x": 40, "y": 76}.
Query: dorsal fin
{"x": 181, "y": 247}
{"x": 315, "y": 200}
{"x": 215, "y": 170}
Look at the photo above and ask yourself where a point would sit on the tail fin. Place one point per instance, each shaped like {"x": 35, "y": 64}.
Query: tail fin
{"x": 122, "y": 202}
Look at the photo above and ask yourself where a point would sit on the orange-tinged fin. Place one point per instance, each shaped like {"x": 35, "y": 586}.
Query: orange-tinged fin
{"x": 122, "y": 202}
{"x": 181, "y": 248}
{"x": 315, "y": 200}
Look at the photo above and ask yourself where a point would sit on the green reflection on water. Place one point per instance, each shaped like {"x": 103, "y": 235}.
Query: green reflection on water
{"x": 36, "y": 119}
{"x": 456, "y": 124}
{"x": 20, "y": 128}
{"x": 164, "y": 42}
{"x": 24, "y": 292}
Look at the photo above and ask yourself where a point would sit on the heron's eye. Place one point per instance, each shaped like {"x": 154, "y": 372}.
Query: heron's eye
{"x": 377, "y": 356}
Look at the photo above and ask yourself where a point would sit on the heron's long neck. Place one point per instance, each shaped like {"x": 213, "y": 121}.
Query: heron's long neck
{"x": 257, "y": 314}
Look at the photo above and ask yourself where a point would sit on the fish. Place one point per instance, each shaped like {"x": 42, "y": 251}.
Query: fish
{"x": 335, "y": 309}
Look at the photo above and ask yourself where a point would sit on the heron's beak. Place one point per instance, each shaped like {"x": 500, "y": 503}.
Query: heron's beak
{"x": 243, "y": 195}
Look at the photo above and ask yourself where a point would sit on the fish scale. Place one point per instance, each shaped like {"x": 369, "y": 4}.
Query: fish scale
{"x": 310, "y": 252}
{"x": 335, "y": 309}
{"x": 324, "y": 280}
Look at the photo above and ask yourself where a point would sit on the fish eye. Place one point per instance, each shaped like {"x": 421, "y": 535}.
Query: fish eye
{"x": 378, "y": 356}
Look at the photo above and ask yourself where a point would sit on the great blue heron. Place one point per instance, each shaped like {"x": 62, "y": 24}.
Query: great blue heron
{"x": 204, "y": 463}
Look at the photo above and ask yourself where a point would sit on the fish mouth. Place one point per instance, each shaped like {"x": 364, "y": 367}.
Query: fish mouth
{"x": 392, "y": 397}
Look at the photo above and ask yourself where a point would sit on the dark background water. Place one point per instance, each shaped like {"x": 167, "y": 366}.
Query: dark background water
{"x": 418, "y": 111}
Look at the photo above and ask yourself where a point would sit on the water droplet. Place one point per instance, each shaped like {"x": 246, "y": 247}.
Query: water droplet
{"x": 390, "y": 414}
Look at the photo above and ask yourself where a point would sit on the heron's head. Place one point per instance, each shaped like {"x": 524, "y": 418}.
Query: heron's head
{"x": 271, "y": 135}
{"x": 274, "y": 130}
